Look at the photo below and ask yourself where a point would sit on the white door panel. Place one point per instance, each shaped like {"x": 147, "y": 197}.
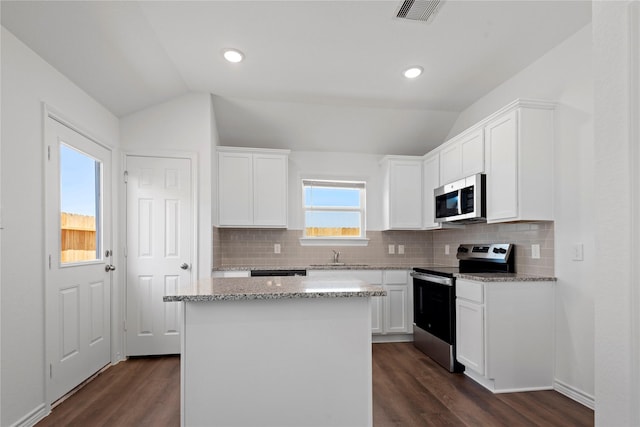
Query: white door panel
{"x": 78, "y": 232}
{"x": 159, "y": 242}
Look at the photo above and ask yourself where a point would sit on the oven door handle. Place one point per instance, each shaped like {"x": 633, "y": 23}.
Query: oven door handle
{"x": 432, "y": 278}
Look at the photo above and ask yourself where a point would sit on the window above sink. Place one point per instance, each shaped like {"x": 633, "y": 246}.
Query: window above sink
{"x": 334, "y": 212}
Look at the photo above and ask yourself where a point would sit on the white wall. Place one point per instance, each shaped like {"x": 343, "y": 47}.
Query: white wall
{"x": 184, "y": 124}
{"x": 341, "y": 166}
{"x": 564, "y": 75}
{"x": 27, "y": 81}
{"x": 616, "y": 44}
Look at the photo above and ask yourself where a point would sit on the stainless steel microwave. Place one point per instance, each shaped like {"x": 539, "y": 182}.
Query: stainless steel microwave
{"x": 462, "y": 200}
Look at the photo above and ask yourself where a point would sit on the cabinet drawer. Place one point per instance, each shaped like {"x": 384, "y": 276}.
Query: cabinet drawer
{"x": 471, "y": 291}
{"x": 395, "y": 277}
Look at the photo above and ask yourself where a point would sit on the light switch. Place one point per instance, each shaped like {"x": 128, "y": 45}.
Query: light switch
{"x": 535, "y": 251}
{"x": 578, "y": 252}
{"x": 400, "y": 249}
{"x": 446, "y": 249}
{"x": 276, "y": 248}
{"x": 392, "y": 249}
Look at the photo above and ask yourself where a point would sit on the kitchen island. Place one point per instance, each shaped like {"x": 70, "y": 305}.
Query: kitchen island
{"x": 276, "y": 351}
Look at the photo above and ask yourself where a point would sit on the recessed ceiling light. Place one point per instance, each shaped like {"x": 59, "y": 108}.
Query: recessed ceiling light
{"x": 413, "y": 72}
{"x": 233, "y": 55}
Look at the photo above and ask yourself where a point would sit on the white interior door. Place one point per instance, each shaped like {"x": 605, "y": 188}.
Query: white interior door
{"x": 159, "y": 246}
{"x": 78, "y": 234}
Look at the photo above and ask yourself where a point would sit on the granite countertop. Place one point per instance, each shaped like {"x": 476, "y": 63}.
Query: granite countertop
{"x": 326, "y": 266}
{"x": 504, "y": 277}
{"x": 246, "y": 288}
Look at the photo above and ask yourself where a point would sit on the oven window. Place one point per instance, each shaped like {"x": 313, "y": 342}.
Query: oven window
{"x": 433, "y": 309}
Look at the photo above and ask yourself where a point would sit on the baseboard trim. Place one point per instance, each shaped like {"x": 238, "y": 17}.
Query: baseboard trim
{"x": 392, "y": 338}
{"x": 33, "y": 417}
{"x": 573, "y": 393}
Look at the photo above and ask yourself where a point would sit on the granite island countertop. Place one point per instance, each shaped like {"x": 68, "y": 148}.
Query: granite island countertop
{"x": 249, "y": 288}
{"x": 479, "y": 277}
{"x": 326, "y": 266}
{"x": 504, "y": 277}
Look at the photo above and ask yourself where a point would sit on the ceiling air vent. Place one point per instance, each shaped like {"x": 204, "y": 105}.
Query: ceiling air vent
{"x": 419, "y": 10}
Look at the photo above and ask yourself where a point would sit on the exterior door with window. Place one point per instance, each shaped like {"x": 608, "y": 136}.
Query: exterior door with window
{"x": 159, "y": 250}
{"x": 78, "y": 242}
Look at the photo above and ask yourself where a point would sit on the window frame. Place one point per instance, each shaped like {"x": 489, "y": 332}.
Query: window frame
{"x": 359, "y": 240}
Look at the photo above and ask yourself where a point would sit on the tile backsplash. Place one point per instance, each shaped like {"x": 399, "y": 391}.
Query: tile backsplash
{"x": 255, "y": 247}
{"x": 522, "y": 234}
{"x": 234, "y": 247}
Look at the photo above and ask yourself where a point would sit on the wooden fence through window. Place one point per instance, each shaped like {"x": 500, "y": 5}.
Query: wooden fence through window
{"x": 78, "y": 237}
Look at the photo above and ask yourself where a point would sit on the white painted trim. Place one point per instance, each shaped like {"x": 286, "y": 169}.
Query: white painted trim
{"x": 383, "y": 338}
{"x": 33, "y": 417}
{"x": 336, "y": 241}
{"x": 228, "y": 149}
{"x": 518, "y": 103}
{"x": 573, "y": 393}
{"x": 634, "y": 141}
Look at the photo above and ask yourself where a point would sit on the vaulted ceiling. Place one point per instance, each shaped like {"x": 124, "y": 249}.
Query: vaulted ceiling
{"x": 318, "y": 75}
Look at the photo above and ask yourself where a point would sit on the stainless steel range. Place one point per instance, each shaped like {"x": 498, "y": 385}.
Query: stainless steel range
{"x": 434, "y": 298}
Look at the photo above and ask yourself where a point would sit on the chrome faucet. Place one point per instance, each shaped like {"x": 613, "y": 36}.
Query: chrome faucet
{"x": 336, "y": 256}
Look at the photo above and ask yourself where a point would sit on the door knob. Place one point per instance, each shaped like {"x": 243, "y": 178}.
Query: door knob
{"x": 109, "y": 268}
{"x": 184, "y": 266}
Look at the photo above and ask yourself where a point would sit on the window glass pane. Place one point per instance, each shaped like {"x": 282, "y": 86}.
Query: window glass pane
{"x": 79, "y": 206}
{"x": 325, "y": 196}
{"x": 332, "y": 224}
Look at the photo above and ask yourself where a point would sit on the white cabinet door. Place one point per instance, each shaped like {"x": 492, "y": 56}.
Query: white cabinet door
{"x": 396, "y": 310}
{"x": 462, "y": 157}
{"x": 501, "y": 138}
{"x": 450, "y": 163}
{"x": 377, "y": 326}
{"x": 252, "y": 187}
{"x": 235, "y": 188}
{"x": 430, "y": 181}
{"x": 403, "y": 185}
{"x": 470, "y": 335}
{"x": 472, "y": 151}
{"x": 270, "y": 180}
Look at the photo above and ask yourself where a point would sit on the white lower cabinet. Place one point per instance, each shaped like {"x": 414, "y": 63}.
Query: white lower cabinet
{"x": 398, "y": 316}
{"x": 504, "y": 333}
{"x": 470, "y": 333}
{"x": 392, "y": 315}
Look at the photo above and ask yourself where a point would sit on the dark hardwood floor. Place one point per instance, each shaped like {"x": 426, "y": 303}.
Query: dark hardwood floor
{"x": 409, "y": 389}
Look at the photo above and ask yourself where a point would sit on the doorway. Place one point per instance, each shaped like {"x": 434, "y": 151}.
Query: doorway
{"x": 160, "y": 254}
{"x": 78, "y": 243}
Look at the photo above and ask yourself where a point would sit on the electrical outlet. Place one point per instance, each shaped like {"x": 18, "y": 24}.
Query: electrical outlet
{"x": 446, "y": 249}
{"x": 392, "y": 249}
{"x": 276, "y": 248}
{"x": 578, "y": 252}
{"x": 400, "y": 249}
{"x": 535, "y": 251}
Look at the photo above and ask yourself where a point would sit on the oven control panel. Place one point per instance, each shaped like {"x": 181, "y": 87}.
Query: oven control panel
{"x": 485, "y": 251}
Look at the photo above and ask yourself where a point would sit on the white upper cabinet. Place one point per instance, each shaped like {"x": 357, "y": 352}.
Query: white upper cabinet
{"x": 402, "y": 193}
{"x": 519, "y": 163}
{"x": 252, "y": 187}
{"x": 430, "y": 181}
{"x": 462, "y": 156}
